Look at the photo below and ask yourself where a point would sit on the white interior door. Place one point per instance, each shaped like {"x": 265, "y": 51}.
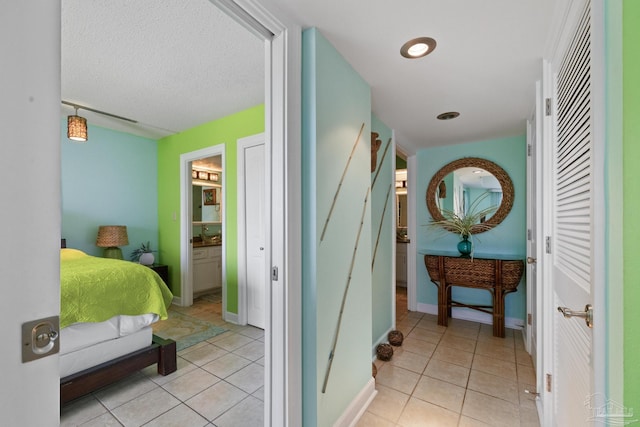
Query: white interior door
{"x": 252, "y": 244}
{"x": 574, "y": 250}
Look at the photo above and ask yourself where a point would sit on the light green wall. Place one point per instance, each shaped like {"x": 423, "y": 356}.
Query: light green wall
{"x": 507, "y": 238}
{"x": 631, "y": 151}
{"x": 383, "y": 199}
{"x": 223, "y": 131}
{"x": 336, "y": 102}
{"x": 108, "y": 180}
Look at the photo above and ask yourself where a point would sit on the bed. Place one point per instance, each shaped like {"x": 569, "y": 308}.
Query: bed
{"x": 106, "y": 311}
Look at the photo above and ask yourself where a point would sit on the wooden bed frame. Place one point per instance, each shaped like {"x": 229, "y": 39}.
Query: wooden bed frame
{"x": 161, "y": 351}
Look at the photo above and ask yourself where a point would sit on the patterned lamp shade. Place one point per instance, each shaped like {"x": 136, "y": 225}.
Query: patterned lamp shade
{"x": 110, "y": 237}
{"x": 77, "y": 128}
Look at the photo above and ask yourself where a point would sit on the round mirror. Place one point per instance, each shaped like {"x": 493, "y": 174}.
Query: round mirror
{"x": 471, "y": 183}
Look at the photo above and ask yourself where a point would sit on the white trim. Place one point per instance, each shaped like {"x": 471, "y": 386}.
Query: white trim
{"x": 472, "y": 315}
{"x": 358, "y": 406}
{"x": 599, "y": 221}
{"x": 243, "y": 144}
{"x": 186, "y": 223}
{"x": 412, "y": 233}
{"x": 545, "y": 261}
{"x": 283, "y": 334}
{"x": 231, "y": 318}
{"x": 615, "y": 278}
{"x": 393, "y": 230}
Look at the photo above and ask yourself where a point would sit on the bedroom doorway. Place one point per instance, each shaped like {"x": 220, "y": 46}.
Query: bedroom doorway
{"x": 203, "y": 227}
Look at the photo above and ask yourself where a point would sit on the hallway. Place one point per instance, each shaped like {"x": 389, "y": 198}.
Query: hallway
{"x": 458, "y": 375}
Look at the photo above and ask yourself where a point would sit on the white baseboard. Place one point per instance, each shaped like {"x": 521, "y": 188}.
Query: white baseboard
{"x": 472, "y": 315}
{"x": 358, "y": 406}
{"x": 177, "y": 301}
{"x": 231, "y": 318}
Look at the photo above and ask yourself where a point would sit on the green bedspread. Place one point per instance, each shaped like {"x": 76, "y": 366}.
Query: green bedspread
{"x": 96, "y": 289}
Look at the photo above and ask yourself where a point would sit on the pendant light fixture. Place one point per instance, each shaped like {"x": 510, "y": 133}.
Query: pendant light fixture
{"x": 77, "y": 127}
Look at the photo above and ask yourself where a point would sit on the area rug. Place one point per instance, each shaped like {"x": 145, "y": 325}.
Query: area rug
{"x": 186, "y": 330}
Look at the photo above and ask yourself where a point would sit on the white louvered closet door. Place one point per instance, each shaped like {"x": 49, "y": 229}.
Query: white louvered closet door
{"x": 571, "y": 243}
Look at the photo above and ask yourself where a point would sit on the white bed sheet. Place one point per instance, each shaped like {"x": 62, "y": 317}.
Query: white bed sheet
{"x": 81, "y": 335}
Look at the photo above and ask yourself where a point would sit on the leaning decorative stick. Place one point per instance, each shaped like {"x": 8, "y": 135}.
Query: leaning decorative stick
{"x": 375, "y": 250}
{"x": 381, "y": 161}
{"x": 335, "y": 197}
{"x": 344, "y": 296}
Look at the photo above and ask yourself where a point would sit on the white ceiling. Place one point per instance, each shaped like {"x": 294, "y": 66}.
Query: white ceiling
{"x": 172, "y": 64}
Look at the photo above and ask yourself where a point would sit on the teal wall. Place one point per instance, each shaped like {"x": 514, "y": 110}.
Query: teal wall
{"x": 109, "y": 180}
{"x": 336, "y": 103}
{"x": 507, "y": 238}
{"x": 383, "y": 224}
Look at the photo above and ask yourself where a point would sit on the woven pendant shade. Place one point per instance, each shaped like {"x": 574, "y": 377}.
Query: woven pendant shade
{"x": 77, "y": 128}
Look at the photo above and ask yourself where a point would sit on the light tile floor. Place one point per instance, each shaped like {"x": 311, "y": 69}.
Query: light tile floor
{"x": 460, "y": 375}
{"x": 219, "y": 383}
{"x": 455, "y": 376}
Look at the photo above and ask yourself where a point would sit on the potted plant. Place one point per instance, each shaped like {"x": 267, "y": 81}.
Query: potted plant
{"x": 465, "y": 223}
{"x": 143, "y": 254}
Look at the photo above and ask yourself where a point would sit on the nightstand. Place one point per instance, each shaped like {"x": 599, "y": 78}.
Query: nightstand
{"x": 162, "y": 270}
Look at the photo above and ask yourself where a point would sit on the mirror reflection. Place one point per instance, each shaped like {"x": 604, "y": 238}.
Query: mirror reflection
{"x": 206, "y": 203}
{"x": 468, "y": 190}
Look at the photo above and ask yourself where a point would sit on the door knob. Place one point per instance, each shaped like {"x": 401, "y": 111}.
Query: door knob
{"x": 531, "y": 260}
{"x": 587, "y": 314}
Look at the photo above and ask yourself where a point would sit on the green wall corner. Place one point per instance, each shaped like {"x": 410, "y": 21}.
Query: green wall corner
{"x": 631, "y": 227}
{"x": 223, "y": 131}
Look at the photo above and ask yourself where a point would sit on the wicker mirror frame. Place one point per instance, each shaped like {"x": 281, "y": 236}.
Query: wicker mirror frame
{"x": 475, "y": 162}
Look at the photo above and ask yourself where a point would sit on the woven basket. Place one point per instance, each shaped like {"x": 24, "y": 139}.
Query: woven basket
{"x": 384, "y": 352}
{"x": 374, "y": 370}
{"x": 395, "y": 338}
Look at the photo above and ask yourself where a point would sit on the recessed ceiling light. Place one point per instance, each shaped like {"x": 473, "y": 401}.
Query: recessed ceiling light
{"x": 448, "y": 115}
{"x": 417, "y": 48}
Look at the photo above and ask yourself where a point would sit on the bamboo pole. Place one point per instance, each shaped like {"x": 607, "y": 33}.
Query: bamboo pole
{"x": 335, "y": 197}
{"x": 344, "y": 296}
{"x": 384, "y": 210}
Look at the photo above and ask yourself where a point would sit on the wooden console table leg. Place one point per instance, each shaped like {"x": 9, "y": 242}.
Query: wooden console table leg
{"x": 443, "y": 318}
{"x": 498, "y": 302}
{"x": 498, "y": 314}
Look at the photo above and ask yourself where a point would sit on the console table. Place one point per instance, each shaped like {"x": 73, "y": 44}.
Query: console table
{"x": 499, "y": 275}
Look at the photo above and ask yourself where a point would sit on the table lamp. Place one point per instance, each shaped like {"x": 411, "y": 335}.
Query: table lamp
{"x": 110, "y": 237}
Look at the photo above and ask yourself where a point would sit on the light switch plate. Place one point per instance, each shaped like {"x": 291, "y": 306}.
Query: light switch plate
{"x": 40, "y": 338}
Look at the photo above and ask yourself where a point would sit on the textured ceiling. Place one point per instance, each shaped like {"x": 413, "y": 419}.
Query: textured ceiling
{"x": 168, "y": 64}
{"x": 172, "y": 64}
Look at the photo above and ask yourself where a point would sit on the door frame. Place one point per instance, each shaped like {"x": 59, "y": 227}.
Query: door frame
{"x": 283, "y": 147}
{"x": 186, "y": 223}
{"x": 243, "y": 310}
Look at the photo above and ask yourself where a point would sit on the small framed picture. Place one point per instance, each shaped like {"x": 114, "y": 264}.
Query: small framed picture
{"x": 209, "y": 196}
